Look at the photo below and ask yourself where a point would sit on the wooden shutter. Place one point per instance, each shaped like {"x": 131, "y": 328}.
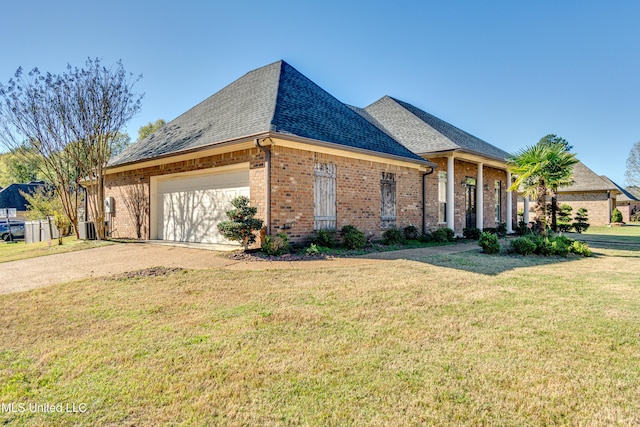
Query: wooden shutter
{"x": 388, "y": 200}
{"x": 324, "y": 210}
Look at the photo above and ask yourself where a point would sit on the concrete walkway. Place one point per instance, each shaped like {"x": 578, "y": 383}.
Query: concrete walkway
{"x": 120, "y": 258}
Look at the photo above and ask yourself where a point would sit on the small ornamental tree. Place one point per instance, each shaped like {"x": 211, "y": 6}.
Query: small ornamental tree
{"x": 564, "y": 218}
{"x": 580, "y": 222}
{"x": 241, "y": 225}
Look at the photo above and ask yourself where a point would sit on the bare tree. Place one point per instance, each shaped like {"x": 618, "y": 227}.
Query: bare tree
{"x": 72, "y": 121}
{"x": 137, "y": 202}
{"x": 632, "y": 174}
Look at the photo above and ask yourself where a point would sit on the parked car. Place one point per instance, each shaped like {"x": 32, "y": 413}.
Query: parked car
{"x": 17, "y": 230}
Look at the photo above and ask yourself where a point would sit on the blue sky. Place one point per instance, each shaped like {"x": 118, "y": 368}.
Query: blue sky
{"x": 508, "y": 72}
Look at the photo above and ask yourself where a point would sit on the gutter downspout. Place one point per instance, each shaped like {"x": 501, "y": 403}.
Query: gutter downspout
{"x": 424, "y": 200}
{"x": 267, "y": 166}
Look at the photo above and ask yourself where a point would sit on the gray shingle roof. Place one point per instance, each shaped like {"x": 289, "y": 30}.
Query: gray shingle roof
{"x": 587, "y": 180}
{"x": 11, "y": 196}
{"x": 424, "y": 133}
{"x": 274, "y": 98}
{"x": 625, "y": 196}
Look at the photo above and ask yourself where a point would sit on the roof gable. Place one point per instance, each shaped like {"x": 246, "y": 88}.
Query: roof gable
{"x": 275, "y": 98}
{"x": 424, "y": 133}
{"x": 587, "y": 180}
{"x": 11, "y": 196}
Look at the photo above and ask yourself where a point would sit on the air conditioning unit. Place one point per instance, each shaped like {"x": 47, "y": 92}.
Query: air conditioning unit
{"x": 109, "y": 205}
{"x": 87, "y": 230}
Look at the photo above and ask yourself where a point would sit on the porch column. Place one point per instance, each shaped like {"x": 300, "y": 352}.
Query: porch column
{"x": 480, "y": 197}
{"x": 450, "y": 196}
{"x": 526, "y": 209}
{"x": 509, "y": 204}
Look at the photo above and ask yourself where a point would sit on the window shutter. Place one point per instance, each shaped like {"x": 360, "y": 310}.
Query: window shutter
{"x": 324, "y": 210}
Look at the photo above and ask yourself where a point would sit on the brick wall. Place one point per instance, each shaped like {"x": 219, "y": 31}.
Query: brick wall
{"x": 292, "y": 193}
{"x": 596, "y": 203}
{"x": 357, "y": 192}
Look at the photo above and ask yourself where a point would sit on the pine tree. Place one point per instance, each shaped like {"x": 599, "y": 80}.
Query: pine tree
{"x": 580, "y": 222}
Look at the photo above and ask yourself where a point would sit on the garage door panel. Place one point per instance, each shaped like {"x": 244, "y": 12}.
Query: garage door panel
{"x": 190, "y": 208}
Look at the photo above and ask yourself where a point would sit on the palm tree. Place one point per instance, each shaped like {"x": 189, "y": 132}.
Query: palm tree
{"x": 538, "y": 169}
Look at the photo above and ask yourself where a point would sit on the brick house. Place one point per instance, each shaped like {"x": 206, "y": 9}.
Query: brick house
{"x": 470, "y": 186}
{"x": 305, "y": 160}
{"x": 591, "y": 191}
{"x": 628, "y": 201}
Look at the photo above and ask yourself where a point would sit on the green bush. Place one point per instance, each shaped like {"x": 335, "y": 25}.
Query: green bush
{"x": 580, "y": 248}
{"x": 393, "y": 236}
{"x": 411, "y": 232}
{"x": 523, "y": 246}
{"x": 443, "y": 235}
{"x": 276, "y": 245}
{"x": 563, "y": 223}
{"x": 489, "y": 243}
{"x": 616, "y": 215}
{"x": 324, "y": 238}
{"x": 559, "y": 247}
{"x": 312, "y": 249}
{"x": 352, "y": 238}
{"x": 425, "y": 238}
{"x": 471, "y": 233}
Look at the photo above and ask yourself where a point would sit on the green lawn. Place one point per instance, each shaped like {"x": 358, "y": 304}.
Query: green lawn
{"x": 20, "y": 250}
{"x": 463, "y": 339}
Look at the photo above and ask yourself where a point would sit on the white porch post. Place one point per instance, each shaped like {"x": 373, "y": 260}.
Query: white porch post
{"x": 526, "y": 209}
{"x": 450, "y": 196}
{"x": 509, "y": 205}
{"x": 480, "y": 197}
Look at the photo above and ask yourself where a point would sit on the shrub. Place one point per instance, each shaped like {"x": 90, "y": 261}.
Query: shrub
{"x": 563, "y": 222}
{"x": 276, "y": 245}
{"x": 393, "y": 236}
{"x": 352, "y": 238}
{"x": 325, "y": 238}
{"x": 241, "y": 225}
{"x": 312, "y": 250}
{"x": 616, "y": 215}
{"x": 425, "y": 238}
{"x": 489, "y": 243}
{"x": 580, "y": 223}
{"x": 471, "y": 233}
{"x": 443, "y": 235}
{"x": 411, "y": 232}
{"x": 580, "y": 248}
{"x": 523, "y": 246}
{"x": 559, "y": 247}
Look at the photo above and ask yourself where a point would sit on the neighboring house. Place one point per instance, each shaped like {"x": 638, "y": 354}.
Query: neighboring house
{"x": 591, "y": 191}
{"x": 628, "y": 201}
{"x": 12, "y": 197}
{"x": 470, "y": 186}
{"x": 306, "y": 160}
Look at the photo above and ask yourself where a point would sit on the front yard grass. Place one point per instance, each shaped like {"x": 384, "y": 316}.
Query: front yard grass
{"x": 518, "y": 341}
{"x": 20, "y": 250}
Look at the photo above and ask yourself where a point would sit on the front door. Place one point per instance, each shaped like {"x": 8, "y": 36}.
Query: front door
{"x": 470, "y": 202}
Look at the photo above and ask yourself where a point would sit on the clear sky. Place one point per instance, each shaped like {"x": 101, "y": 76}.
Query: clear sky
{"x": 508, "y": 72}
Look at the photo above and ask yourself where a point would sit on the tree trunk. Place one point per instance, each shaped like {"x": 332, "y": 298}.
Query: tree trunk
{"x": 554, "y": 211}
{"x": 541, "y": 206}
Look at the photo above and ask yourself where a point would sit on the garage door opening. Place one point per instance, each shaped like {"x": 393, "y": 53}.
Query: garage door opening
{"x": 189, "y": 207}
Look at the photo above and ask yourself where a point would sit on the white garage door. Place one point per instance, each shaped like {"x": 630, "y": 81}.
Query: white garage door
{"x": 190, "y": 207}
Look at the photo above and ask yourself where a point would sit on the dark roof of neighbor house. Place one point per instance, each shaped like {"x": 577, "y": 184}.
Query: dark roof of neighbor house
{"x": 587, "y": 180}
{"x": 275, "y": 98}
{"x": 424, "y": 133}
{"x": 11, "y": 196}
{"x": 625, "y": 196}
